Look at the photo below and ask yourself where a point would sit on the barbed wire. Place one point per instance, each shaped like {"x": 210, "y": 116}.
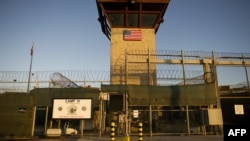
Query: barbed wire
{"x": 88, "y": 75}
{"x": 44, "y": 76}
{"x": 18, "y": 79}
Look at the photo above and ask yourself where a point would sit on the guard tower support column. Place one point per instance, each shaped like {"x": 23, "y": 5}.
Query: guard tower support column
{"x": 137, "y": 73}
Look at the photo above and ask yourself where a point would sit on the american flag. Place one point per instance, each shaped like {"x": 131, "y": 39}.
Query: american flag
{"x": 132, "y": 35}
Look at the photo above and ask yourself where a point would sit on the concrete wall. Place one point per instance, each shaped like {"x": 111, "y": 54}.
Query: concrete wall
{"x": 137, "y": 72}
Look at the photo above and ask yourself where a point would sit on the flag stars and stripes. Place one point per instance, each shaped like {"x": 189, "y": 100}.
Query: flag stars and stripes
{"x": 132, "y": 35}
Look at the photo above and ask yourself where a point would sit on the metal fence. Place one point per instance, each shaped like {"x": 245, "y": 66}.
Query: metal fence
{"x": 168, "y": 120}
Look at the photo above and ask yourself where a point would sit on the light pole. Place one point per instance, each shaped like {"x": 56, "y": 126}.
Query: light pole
{"x": 31, "y": 54}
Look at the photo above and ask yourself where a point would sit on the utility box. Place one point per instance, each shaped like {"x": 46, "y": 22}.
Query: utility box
{"x": 212, "y": 117}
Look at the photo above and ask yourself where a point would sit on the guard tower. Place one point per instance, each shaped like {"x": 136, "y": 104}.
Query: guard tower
{"x": 131, "y": 26}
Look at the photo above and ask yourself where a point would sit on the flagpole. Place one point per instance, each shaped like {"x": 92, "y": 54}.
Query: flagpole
{"x": 31, "y": 55}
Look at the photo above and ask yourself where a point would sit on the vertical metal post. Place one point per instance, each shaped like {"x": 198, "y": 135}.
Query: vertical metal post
{"x": 183, "y": 67}
{"x": 247, "y": 80}
{"x": 33, "y": 121}
{"x": 51, "y": 124}
{"x": 188, "y": 123}
{"x": 126, "y": 67}
{"x": 124, "y": 109}
{"x": 81, "y": 127}
{"x": 150, "y": 120}
{"x": 31, "y": 54}
{"x": 215, "y": 80}
{"x": 246, "y": 73}
{"x": 148, "y": 66}
{"x": 46, "y": 120}
{"x": 59, "y": 124}
{"x": 100, "y": 114}
{"x": 126, "y": 114}
{"x": 203, "y": 127}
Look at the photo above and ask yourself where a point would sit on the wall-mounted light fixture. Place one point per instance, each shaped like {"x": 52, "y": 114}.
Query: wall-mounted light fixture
{"x": 21, "y": 110}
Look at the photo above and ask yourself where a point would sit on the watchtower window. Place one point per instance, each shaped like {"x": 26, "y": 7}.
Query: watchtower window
{"x": 117, "y": 20}
{"x": 133, "y": 20}
{"x": 148, "y": 20}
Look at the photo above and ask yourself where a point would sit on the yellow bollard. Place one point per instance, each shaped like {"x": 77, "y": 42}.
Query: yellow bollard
{"x": 140, "y": 131}
{"x": 112, "y": 131}
{"x": 126, "y": 138}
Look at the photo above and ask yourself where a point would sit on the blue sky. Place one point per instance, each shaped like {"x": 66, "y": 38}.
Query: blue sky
{"x": 68, "y": 36}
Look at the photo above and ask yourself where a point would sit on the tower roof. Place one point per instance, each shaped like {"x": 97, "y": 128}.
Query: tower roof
{"x": 130, "y": 14}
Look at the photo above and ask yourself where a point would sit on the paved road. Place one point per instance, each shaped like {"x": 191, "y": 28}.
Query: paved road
{"x": 135, "y": 138}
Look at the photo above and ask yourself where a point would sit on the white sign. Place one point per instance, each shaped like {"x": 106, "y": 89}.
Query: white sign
{"x": 72, "y": 108}
{"x": 239, "y": 109}
{"x": 215, "y": 117}
{"x": 135, "y": 113}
